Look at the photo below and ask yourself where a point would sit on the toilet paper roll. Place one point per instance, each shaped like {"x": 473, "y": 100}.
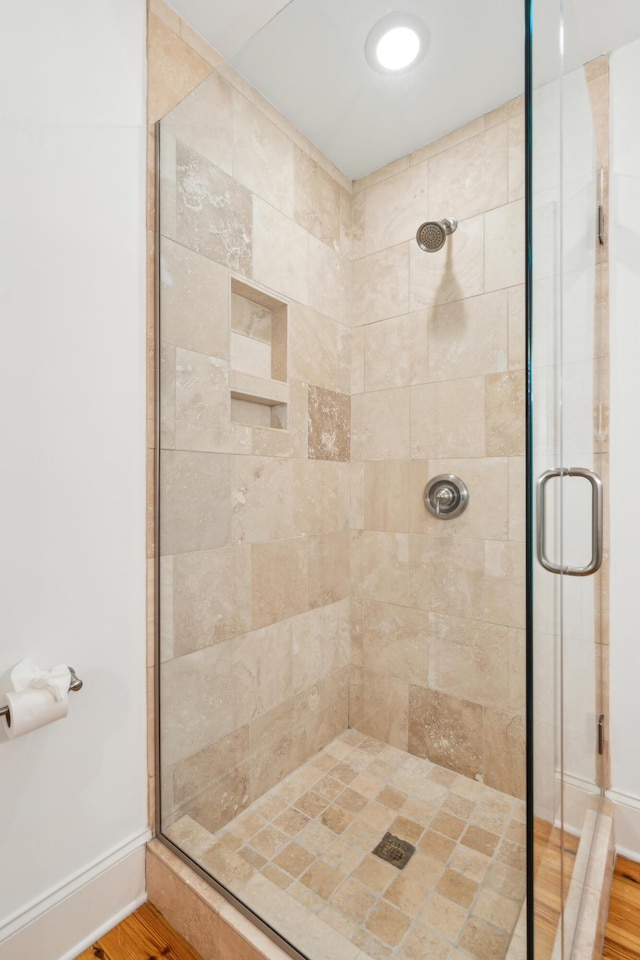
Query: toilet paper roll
{"x": 30, "y": 709}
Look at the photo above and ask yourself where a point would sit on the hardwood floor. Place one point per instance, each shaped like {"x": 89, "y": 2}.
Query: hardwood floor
{"x": 145, "y": 935}
{"x": 554, "y": 859}
{"x": 622, "y": 940}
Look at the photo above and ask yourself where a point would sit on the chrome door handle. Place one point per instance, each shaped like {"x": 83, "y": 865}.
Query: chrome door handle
{"x": 597, "y": 513}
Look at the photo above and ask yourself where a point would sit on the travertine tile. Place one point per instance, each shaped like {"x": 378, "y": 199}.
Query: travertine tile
{"x": 505, "y": 414}
{"x": 436, "y": 846}
{"x": 322, "y": 879}
{"x": 480, "y": 840}
{"x": 396, "y": 641}
{"x": 469, "y": 659}
{"x": 328, "y": 568}
{"x": 201, "y": 677}
{"x": 317, "y": 198}
{"x": 262, "y": 155}
{"x": 517, "y": 329}
{"x": 189, "y": 835}
{"x": 279, "y": 587}
{"x": 330, "y": 281}
{"x": 174, "y": 68}
{"x": 321, "y": 500}
{"x": 457, "y": 888}
{"x": 279, "y": 746}
{"x": 329, "y": 424}
{"x": 448, "y": 825}
{"x": 182, "y": 903}
{"x": 447, "y": 730}
{"x": 202, "y": 122}
{"x": 471, "y": 177}
{"x": 223, "y": 799}
{"x": 211, "y": 597}
{"x": 384, "y": 712}
{"x": 599, "y": 96}
{"x": 389, "y": 361}
{"x": 263, "y": 504}
{"x": 387, "y": 923}
{"x": 468, "y": 338}
{"x": 380, "y": 425}
{"x": 504, "y": 247}
{"x": 167, "y": 397}
{"x": 262, "y": 672}
{"x": 320, "y": 644}
{"x": 447, "y": 575}
{"x": 394, "y": 207}
{"x": 202, "y": 405}
{"x": 354, "y": 900}
{"x": 448, "y": 419}
{"x": 336, "y": 819}
{"x": 381, "y": 286}
{"x": 280, "y": 252}
{"x": 483, "y": 941}
{"x": 194, "y": 309}
{"x": 505, "y": 765}
{"x": 313, "y": 347}
{"x": 471, "y": 863}
{"x": 357, "y": 360}
{"x": 375, "y": 873}
{"x": 501, "y": 912}
{"x": 516, "y": 156}
{"x": 443, "y": 916}
{"x": 386, "y": 568}
{"x": 294, "y": 859}
{"x": 456, "y": 272}
{"x": 213, "y": 212}
{"x": 195, "y": 491}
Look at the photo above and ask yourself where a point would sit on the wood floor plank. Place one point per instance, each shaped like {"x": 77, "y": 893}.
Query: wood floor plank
{"x": 145, "y": 935}
{"x": 622, "y": 939}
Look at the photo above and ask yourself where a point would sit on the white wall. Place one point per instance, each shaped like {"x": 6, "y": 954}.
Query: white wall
{"x": 72, "y": 459}
{"x": 625, "y": 443}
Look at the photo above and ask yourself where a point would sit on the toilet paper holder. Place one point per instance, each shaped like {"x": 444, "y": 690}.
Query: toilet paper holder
{"x": 76, "y": 684}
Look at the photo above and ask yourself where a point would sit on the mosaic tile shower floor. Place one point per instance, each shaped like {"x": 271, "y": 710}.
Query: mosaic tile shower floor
{"x": 301, "y": 857}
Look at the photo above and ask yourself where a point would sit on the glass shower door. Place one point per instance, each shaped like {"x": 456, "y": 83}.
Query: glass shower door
{"x": 566, "y": 498}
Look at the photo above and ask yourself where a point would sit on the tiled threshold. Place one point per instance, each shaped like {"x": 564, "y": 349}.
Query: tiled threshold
{"x": 305, "y": 866}
{"x": 587, "y": 904}
{"x": 589, "y": 893}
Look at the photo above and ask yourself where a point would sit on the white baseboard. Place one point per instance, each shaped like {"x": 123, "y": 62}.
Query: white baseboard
{"x": 627, "y": 823}
{"x": 67, "y": 920}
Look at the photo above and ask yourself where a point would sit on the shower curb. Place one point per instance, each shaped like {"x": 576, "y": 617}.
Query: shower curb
{"x": 589, "y": 892}
{"x": 208, "y": 922}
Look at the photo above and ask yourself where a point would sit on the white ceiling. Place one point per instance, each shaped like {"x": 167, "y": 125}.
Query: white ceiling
{"x": 307, "y": 58}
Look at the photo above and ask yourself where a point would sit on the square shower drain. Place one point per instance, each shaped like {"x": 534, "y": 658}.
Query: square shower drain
{"x": 394, "y": 850}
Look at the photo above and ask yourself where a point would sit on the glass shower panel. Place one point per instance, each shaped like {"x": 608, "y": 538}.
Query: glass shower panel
{"x": 566, "y": 629}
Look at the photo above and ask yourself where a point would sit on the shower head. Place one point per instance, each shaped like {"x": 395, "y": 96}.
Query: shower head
{"x": 431, "y": 236}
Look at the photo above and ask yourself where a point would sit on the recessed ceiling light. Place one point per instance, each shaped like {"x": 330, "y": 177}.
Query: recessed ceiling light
{"x": 396, "y": 42}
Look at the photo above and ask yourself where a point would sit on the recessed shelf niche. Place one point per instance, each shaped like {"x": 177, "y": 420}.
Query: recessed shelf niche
{"x": 258, "y": 368}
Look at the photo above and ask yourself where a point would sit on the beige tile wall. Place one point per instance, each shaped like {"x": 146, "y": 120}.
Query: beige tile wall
{"x": 254, "y": 547}
{"x": 438, "y": 387}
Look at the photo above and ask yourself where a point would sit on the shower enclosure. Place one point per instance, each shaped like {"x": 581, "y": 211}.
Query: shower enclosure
{"x": 380, "y": 326}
